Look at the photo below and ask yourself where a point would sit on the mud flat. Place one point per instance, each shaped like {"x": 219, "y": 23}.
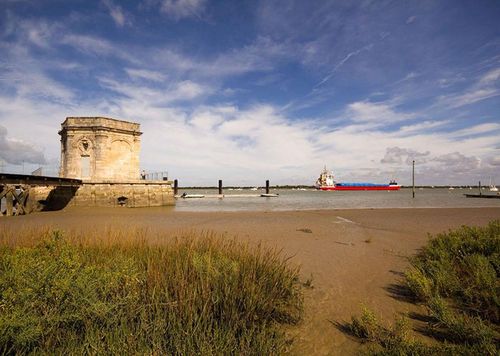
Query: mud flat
{"x": 353, "y": 256}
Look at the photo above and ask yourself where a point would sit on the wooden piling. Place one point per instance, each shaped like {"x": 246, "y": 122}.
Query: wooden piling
{"x": 2, "y": 195}
{"x": 267, "y": 186}
{"x": 413, "y": 179}
{"x": 176, "y": 186}
{"x": 9, "y": 202}
{"x": 220, "y": 186}
{"x": 480, "y": 188}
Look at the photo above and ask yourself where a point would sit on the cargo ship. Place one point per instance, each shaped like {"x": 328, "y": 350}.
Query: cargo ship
{"x": 326, "y": 181}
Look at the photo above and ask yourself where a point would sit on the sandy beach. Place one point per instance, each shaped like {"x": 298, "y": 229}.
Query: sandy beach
{"x": 352, "y": 256}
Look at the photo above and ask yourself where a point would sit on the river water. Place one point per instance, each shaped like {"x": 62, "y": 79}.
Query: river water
{"x": 314, "y": 199}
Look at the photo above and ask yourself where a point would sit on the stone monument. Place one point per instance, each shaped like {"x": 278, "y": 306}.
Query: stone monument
{"x": 99, "y": 149}
{"x": 104, "y": 154}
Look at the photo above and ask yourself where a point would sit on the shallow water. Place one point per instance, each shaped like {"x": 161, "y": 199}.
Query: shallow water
{"x": 313, "y": 199}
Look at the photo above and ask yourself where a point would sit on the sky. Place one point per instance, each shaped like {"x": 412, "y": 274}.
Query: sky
{"x": 246, "y": 91}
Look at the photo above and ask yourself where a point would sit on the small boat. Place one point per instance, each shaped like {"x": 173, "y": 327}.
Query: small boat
{"x": 326, "y": 181}
{"x": 269, "y": 195}
{"x": 188, "y": 196}
{"x": 254, "y": 188}
{"x": 493, "y": 187}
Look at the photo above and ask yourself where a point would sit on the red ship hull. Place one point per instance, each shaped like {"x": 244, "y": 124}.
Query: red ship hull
{"x": 389, "y": 187}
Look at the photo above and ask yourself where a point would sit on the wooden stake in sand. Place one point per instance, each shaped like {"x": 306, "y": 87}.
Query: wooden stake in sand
{"x": 413, "y": 179}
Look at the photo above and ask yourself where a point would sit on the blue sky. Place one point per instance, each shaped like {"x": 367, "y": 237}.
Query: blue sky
{"x": 251, "y": 90}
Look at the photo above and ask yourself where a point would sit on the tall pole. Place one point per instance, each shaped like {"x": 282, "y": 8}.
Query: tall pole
{"x": 267, "y": 186}
{"x": 413, "y": 179}
{"x": 479, "y": 186}
{"x": 220, "y": 186}
{"x": 176, "y": 186}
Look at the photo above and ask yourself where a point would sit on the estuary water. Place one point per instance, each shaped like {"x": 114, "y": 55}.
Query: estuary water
{"x": 314, "y": 199}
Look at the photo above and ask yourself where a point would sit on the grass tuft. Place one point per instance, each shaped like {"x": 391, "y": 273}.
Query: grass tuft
{"x": 195, "y": 295}
{"x": 456, "y": 276}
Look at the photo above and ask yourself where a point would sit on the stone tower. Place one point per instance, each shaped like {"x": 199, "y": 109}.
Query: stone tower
{"x": 100, "y": 149}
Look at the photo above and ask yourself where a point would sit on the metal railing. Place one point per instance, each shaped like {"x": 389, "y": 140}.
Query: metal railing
{"x": 48, "y": 170}
{"x": 154, "y": 175}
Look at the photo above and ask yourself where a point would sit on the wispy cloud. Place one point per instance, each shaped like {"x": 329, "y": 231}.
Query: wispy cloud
{"x": 342, "y": 62}
{"x": 180, "y": 91}
{"x": 484, "y": 88}
{"x": 146, "y": 74}
{"x": 96, "y": 46}
{"x": 424, "y": 126}
{"x": 179, "y": 9}
{"x": 411, "y": 19}
{"x": 116, "y": 12}
{"x": 481, "y": 129}
{"x": 381, "y": 113}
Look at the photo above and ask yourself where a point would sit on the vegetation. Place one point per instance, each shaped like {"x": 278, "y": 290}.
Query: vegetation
{"x": 68, "y": 295}
{"x": 456, "y": 276}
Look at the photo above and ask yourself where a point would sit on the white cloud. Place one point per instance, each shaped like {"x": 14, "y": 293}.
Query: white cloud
{"x": 495, "y": 161}
{"x": 484, "y": 88}
{"x": 491, "y": 77}
{"x": 397, "y": 155}
{"x": 458, "y": 161}
{"x": 17, "y": 152}
{"x": 411, "y": 19}
{"x": 151, "y": 75}
{"x": 486, "y": 128}
{"x": 187, "y": 90}
{"x": 472, "y": 97}
{"x": 179, "y": 9}
{"x": 27, "y": 77}
{"x": 116, "y": 12}
{"x": 422, "y": 126}
{"x": 96, "y": 46}
{"x": 157, "y": 96}
{"x": 377, "y": 113}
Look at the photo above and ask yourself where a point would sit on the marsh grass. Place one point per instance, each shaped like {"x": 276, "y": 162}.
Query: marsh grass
{"x": 122, "y": 294}
{"x": 456, "y": 277}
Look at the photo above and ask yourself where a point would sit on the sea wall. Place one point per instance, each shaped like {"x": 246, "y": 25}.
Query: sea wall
{"x": 103, "y": 194}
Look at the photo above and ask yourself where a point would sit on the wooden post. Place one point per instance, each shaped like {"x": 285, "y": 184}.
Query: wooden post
{"x": 9, "y": 201}
{"x": 176, "y": 186}
{"x": 480, "y": 188}
{"x": 220, "y": 186}
{"x": 413, "y": 179}
{"x": 2, "y": 194}
{"x": 267, "y": 186}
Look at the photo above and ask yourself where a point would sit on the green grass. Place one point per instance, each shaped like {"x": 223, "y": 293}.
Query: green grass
{"x": 205, "y": 295}
{"x": 456, "y": 277}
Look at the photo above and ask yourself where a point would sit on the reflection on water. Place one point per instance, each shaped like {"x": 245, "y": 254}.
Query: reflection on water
{"x": 313, "y": 199}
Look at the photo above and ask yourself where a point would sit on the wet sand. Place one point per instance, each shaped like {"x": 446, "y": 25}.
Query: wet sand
{"x": 353, "y": 256}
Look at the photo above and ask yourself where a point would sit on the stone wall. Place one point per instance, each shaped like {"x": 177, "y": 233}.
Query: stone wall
{"x": 99, "y": 148}
{"x": 109, "y": 194}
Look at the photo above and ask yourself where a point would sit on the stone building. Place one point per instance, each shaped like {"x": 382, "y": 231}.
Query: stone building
{"x": 100, "y": 149}
{"x": 102, "y": 154}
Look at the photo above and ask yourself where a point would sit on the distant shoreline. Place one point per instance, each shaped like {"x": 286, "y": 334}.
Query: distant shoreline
{"x": 484, "y": 187}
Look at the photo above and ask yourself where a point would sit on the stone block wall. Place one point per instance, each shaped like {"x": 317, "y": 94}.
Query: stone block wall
{"x": 108, "y": 194}
{"x": 124, "y": 194}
